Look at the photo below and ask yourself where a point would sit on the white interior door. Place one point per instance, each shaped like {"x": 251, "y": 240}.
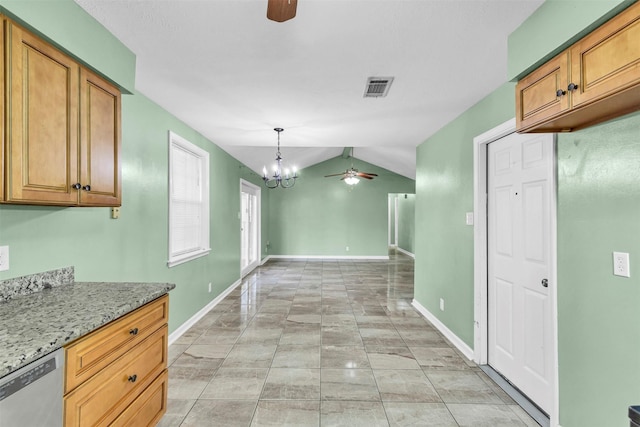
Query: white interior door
{"x": 249, "y": 227}
{"x": 520, "y": 189}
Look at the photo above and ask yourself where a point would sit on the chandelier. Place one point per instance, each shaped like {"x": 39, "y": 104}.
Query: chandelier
{"x": 279, "y": 179}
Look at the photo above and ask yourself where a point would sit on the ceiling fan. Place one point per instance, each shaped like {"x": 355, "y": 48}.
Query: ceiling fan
{"x": 281, "y": 10}
{"x": 351, "y": 175}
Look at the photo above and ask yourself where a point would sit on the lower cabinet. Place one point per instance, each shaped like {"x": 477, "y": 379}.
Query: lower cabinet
{"x": 130, "y": 386}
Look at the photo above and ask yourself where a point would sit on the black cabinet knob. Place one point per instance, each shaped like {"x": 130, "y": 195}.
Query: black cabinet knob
{"x": 134, "y": 331}
{"x": 76, "y": 186}
{"x": 132, "y": 378}
{"x": 87, "y": 188}
{"x": 560, "y": 93}
{"x": 572, "y": 87}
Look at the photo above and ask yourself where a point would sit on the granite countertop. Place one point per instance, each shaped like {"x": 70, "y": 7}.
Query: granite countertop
{"x": 31, "y": 326}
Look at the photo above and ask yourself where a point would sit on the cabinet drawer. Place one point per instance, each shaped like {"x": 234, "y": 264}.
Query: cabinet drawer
{"x": 149, "y": 407}
{"x": 98, "y": 401}
{"x": 88, "y": 355}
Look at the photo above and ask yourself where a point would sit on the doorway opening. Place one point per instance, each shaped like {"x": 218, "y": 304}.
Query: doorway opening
{"x": 515, "y": 310}
{"x": 249, "y": 227}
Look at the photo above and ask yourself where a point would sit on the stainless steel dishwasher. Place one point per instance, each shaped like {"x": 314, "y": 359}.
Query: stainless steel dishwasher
{"x": 32, "y": 395}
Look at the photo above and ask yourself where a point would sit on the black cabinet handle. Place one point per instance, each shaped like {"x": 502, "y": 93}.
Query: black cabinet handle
{"x": 132, "y": 378}
{"x": 87, "y": 188}
{"x": 572, "y": 87}
{"x": 76, "y": 186}
{"x": 560, "y": 93}
{"x": 134, "y": 331}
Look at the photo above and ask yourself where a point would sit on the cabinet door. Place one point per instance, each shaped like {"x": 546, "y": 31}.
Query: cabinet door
{"x": 149, "y": 407}
{"x": 537, "y": 97}
{"x": 608, "y": 59}
{"x": 42, "y": 121}
{"x": 100, "y": 141}
{"x": 99, "y": 400}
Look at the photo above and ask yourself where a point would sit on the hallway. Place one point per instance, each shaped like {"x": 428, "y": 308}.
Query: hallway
{"x": 327, "y": 343}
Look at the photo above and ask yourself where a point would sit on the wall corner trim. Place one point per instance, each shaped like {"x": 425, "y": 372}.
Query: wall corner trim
{"x": 173, "y": 337}
{"x": 455, "y": 340}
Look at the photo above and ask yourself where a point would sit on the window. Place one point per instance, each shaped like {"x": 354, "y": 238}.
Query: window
{"x": 188, "y": 201}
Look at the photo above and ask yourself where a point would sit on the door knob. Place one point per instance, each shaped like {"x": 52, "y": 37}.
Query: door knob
{"x": 76, "y": 186}
{"x": 560, "y": 93}
{"x": 545, "y": 283}
{"x": 572, "y": 87}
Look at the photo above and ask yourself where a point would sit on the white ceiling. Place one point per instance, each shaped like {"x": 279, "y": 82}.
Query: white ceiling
{"x": 228, "y": 72}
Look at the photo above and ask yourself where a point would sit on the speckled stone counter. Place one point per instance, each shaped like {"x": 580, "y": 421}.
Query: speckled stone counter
{"x": 34, "y": 325}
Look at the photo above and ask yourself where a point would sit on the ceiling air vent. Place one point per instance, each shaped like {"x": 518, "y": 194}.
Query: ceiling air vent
{"x": 377, "y": 87}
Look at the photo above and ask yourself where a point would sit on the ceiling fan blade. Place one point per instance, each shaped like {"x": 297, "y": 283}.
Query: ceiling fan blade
{"x": 370, "y": 174}
{"x": 335, "y": 174}
{"x": 365, "y": 176}
{"x": 281, "y": 10}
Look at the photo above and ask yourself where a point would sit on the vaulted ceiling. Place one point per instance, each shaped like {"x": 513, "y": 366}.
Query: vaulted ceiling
{"x": 233, "y": 75}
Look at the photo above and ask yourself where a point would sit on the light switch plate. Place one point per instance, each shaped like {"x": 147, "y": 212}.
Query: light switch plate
{"x": 621, "y": 264}
{"x": 469, "y": 218}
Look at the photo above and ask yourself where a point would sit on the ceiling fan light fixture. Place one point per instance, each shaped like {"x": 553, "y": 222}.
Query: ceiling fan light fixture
{"x": 351, "y": 180}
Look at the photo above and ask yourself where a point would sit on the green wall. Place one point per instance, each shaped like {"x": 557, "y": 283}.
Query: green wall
{"x": 406, "y": 222}
{"x": 444, "y": 193}
{"x": 134, "y": 247}
{"x": 564, "y": 22}
{"x": 598, "y": 313}
{"x": 66, "y": 25}
{"x": 322, "y": 216}
{"x": 598, "y": 213}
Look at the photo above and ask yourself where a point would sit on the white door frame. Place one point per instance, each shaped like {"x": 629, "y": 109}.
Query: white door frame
{"x": 258, "y": 191}
{"x": 480, "y": 256}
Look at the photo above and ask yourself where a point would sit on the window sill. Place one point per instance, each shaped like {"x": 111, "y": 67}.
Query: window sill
{"x": 188, "y": 257}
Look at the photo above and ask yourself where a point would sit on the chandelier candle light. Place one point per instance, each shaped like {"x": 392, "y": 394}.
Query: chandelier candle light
{"x": 278, "y": 179}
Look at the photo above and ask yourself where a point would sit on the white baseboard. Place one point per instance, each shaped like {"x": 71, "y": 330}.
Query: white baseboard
{"x": 363, "y": 257}
{"x": 399, "y": 249}
{"x": 200, "y": 314}
{"x": 460, "y": 345}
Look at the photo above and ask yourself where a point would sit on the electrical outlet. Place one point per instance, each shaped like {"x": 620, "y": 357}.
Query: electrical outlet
{"x": 115, "y": 212}
{"x": 4, "y": 258}
{"x": 621, "y": 264}
{"x": 209, "y": 286}
{"x": 347, "y": 248}
{"x": 441, "y": 304}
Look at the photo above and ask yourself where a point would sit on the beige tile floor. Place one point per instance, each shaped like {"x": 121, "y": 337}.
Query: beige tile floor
{"x": 327, "y": 343}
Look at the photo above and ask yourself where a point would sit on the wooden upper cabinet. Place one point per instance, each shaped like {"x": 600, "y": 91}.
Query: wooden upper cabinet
{"x": 62, "y": 144}
{"x": 42, "y": 121}
{"x": 542, "y": 94}
{"x": 100, "y": 141}
{"x": 596, "y": 79}
{"x": 607, "y": 60}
